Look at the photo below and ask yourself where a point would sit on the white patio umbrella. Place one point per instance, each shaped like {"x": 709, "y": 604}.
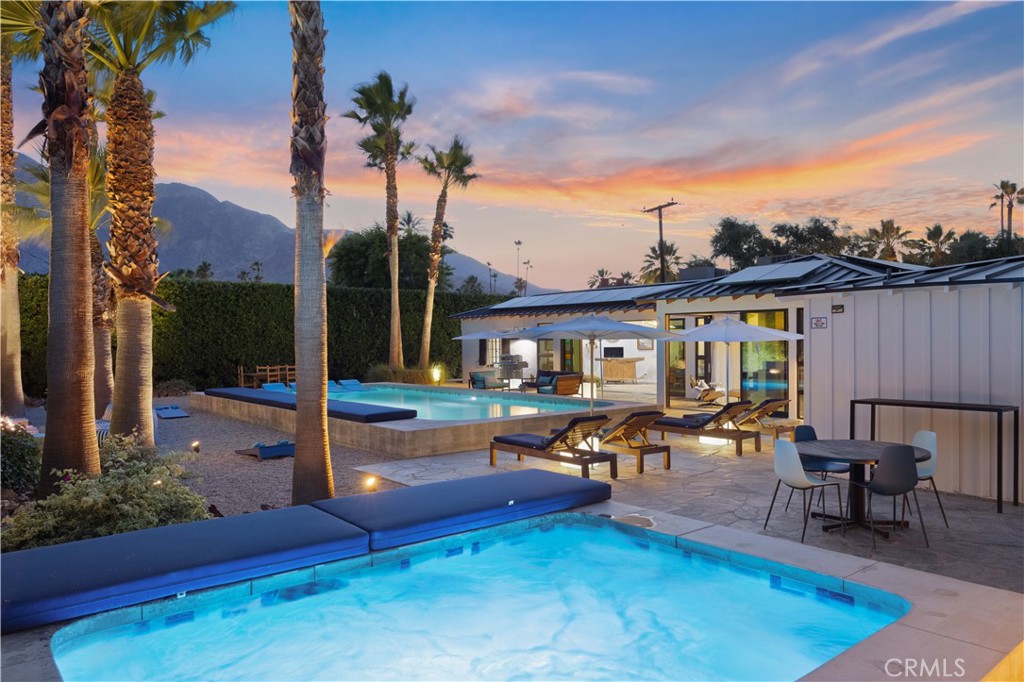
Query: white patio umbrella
{"x": 728, "y": 330}
{"x": 591, "y": 328}
{"x": 486, "y": 334}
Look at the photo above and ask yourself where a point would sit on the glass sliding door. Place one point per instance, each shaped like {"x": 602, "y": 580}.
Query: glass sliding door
{"x": 572, "y": 355}
{"x": 546, "y": 354}
{"x": 764, "y": 365}
{"x": 675, "y": 360}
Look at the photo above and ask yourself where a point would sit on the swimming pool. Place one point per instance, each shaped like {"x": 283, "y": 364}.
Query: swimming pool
{"x": 445, "y": 404}
{"x": 559, "y": 601}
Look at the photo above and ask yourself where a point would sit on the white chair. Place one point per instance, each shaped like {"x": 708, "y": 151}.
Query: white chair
{"x": 927, "y": 440}
{"x": 790, "y": 471}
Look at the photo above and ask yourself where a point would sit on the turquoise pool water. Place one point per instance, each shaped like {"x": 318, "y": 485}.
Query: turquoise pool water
{"x": 449, "y": 405}
{"x": 570, "y": 601}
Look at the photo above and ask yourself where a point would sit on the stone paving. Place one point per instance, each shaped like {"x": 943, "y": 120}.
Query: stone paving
{"x": 711, "y": 484}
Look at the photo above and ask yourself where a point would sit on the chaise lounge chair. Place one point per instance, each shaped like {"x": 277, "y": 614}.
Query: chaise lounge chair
{"x": 352, "y": 385}
{"x": 629, "y": 437}
{"x": 711, "y": 425}
{"x": 760, "y": 419}
{"x": 564, "y": 446}
{"x": 274, "y": 386}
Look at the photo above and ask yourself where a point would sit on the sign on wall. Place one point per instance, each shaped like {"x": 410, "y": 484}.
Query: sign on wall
{"x": 819, "y": 323}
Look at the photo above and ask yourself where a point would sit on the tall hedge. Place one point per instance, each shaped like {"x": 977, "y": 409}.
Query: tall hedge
{"x": 220, "y": 325}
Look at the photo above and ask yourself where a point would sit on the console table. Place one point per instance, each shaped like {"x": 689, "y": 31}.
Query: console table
{"x": 999, "y": 410}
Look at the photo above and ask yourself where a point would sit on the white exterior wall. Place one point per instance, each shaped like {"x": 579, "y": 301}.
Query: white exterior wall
{"x": 943, "y": 344}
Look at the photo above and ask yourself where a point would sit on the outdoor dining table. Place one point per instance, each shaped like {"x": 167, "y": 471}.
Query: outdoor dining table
{"x": 859, "y": 454}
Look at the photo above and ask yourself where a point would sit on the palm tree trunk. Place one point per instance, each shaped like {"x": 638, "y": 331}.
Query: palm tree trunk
{"x": 433, "y": 272}
{"x": 132, "y": 247}
{"x": 1009, "y": 220}
{"x": 103, "y": 373}
{"x": 70, "y": 426}
{"x": 396, "y": 357}
{"x": 312, "y": 478}
{"x": 12, "y": 396}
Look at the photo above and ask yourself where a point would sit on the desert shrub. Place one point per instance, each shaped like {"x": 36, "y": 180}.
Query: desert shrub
{"x": 20, "y": 458}
{"x": 173, "y": 388}
{"x": 379, "y": 373}
{"x": 414, "y": 375}
{"x": 138, "y": 489}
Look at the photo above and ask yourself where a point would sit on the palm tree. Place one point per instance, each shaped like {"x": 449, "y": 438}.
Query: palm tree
{"x": 887, "y": 239}
{"x": 20, "y": 36}
{"x": 934, "y": 248}
{"x": 1009, "y": 193}
{"x": 626, "y": 277}
{"x": 451, "y": 167}
{"x": 312, "y": 478}
{"x": 126, "y": 39}
{"x": 67, "y": 110}
{"x": 595, "y": 280}
{"x": 651, "y": 270}
{"x": 204, "y": 271}
{"x": 37, "y": 228}
{"x": 999, "y": 199}
{"x": 410, "y": 223}
{"x": 377, "y": 106}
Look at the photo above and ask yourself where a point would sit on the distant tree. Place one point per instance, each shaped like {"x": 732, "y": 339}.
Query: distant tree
{"x": 257, "y": 270}
{"x": 410, "y": 223}
{"x": 742, "y": 243}
{"x": 888, "y": 238}
{"x": 933, "y": 250}
{"x": 243, "y": 276}
{"x": 817, "y": 235}
{"x": 861, "y": 245}
{"x": 471, "y": 286}
{"x": 518, "y": 287}
{"x": 204, "y": 271}
{"x": 695, "y": 261}
{"x": 181, "y": 273}
{"x": 970, "y": 246}
{"x": 626, "y": 277}
{"x": 359, "y": 260}
{"x": 601, "y": 275}
{"x": 1012, "y": 196}
{"x": 650, "y": 271}
{"x": 494, "y": 281}
{"x": 999, "y": 199}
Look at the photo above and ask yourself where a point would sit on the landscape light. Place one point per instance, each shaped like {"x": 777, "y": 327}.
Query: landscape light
{"x": 436, "y": 374}
{"x": 195, "y": 446}
{"x": 370, "y": 483}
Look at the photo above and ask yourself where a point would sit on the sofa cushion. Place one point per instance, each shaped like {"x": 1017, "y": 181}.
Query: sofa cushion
{"x": 526, "y": 440}
{"x": 690, "y": 421}
{"x": 423, "y": 512}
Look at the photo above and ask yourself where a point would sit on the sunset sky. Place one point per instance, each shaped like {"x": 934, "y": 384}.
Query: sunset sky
{"x": 581, "y": 114}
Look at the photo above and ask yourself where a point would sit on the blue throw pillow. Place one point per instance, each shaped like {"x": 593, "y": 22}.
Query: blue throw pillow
{"x": 545, "y": 380}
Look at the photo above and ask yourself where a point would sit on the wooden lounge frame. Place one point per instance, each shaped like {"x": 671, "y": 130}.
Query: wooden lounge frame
{"x": 565, "y": 446}
{"x": 716, "y": 427}
{"x": 760, "y": 419}
{"x": 629, "y": 437}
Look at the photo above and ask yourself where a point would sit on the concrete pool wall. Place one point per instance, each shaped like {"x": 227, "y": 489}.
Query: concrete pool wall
{"x": 415, "y": 437}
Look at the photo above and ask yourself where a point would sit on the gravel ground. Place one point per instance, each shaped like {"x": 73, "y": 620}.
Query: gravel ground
{"x": 236, "y": 484}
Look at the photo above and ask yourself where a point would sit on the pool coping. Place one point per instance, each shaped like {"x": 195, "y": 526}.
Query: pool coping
{"x": 409, "y": 438}
{"x": 953, "y": 630}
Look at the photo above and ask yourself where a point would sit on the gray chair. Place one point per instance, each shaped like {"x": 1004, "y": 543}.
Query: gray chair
{"x": 815, "y": 465}
{"x": 790, "y": 471}
{"x": 895, "y": 475}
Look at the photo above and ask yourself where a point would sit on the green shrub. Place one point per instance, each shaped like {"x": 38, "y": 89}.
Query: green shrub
{"x": 221, "y": 325}
{"x": 138, "y": 489}
{"x": 173, "y": 388}
{"x": 379, "y": 373}
{"x": 20, "y": 459}
{"x": 414, "y": 375}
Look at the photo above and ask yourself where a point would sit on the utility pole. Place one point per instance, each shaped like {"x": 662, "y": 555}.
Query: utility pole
{"x": 661, "y": 234}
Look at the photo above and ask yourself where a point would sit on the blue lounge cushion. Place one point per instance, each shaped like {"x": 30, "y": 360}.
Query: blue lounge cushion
{"x": 339, "y": 409}
{"x": 352, "y": 385}
{"x": 170, "y": 412}
{"x": 50, "y": 584}
{"x": 406, "y": 515}
{"x": 526, "y": 440}
{"x": 546, "y": 380}
{"x": 275, "y": 386}
{"x": 690, "y": 421}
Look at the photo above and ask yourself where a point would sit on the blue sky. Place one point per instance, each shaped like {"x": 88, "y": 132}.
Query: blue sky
{"x": 580, "y": 114}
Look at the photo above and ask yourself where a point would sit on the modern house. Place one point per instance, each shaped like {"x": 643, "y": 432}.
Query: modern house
{"x": 871, "y": 329}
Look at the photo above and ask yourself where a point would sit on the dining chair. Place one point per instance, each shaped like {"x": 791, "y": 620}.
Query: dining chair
{"x": 927, "y": 440}
{"x": 790, "y": 471}
{"x": 815, "y": 465}
{"x": 895, "y": 474}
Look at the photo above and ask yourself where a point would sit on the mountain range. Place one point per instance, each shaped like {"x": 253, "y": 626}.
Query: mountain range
{"x": 231, "y": 238}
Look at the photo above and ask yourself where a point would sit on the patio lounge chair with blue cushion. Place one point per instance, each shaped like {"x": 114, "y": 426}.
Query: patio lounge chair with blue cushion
{"x": 275, "y": 386}
{"x": 564, "y": 446}
{"x": 711, "y": 425}
{"x": 629, "y": 437}
{"x": 760, "y": 418}
{"x": 352, "y": 385}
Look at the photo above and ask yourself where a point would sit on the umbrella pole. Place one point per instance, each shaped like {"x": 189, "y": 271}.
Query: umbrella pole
{"x": 592, "y": 387}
